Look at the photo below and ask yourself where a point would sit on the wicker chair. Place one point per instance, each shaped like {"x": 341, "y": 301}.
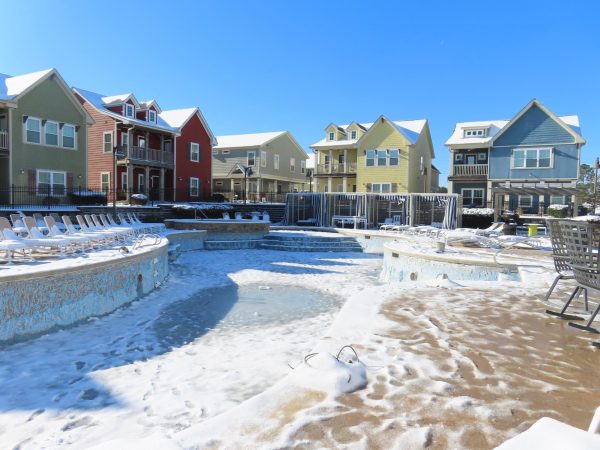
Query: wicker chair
{"x": 582, "y": 241}
{"x": 563, "y": 271}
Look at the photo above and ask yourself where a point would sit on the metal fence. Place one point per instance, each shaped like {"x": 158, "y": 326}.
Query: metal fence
{"x": 59, "y": 197}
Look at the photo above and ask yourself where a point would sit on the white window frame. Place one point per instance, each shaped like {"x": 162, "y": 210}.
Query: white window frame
{"x": 62, "y": 136}
{"x": 140, "y": 139}
{"x": 124, "y": 181}
{"x": 521, "y": 197}
{"x": 253, "y": 157}
{"x": 458, "y": 157}
{"x": 476, "y": 132}
{"x": 472, "y": 196}
{"x": 197, "y": 147}
{"x": 481, "y": 156}
{"x": 52, "y": 173}
{"x": 141, "y": 184}
{"x": 374, "y": 158}
{"x": 276, "y": 162}
{"x": 331, "y": 136}
{"x": 353, "y": 134}
{"x": 292, "y": 164}
{"x": 562, "y": 201}
{"x": 150, "y": 114}
{"x": 40, "y": 130}
{"x": 263, "y": 158}
{"x": 380, "y": 186}
{"x": 302, "y": 166}
{"x": 126, "y": 107}
{"x": 102, "y": 182}
{"x": 104, "y": 142}
{"x": 57, "y": 133}
{"x": 124, "y": 139}
{"x": 537, "y": 150}
{"x": 191, "y": 182}
{"x": 389, "y": 161}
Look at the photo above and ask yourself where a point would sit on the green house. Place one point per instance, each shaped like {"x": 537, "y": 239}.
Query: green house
{"x": 43, "y": 139}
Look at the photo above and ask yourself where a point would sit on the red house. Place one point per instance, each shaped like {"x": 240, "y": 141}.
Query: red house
{"x": 146, "y": 156}
{"x": 193, "y": 154}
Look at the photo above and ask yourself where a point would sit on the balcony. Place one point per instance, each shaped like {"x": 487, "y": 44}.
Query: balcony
{"x": 336, "y": 169}
{"x": 3, "y": 141}
{"x": 470, "y": 170}
{"x": 147, "y": 156}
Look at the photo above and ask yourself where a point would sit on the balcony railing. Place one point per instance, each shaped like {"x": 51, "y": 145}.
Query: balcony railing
{"x": 336, "y": 168}
{"x": 3, "y": 140}
{"x": 149, "y": 155}
{"x": 470, "y": 170}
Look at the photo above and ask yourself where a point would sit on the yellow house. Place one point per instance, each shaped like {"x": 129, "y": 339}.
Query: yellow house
{"x": 381, "y": 157}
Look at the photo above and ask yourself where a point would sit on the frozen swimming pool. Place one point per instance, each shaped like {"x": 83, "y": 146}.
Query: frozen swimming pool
{"x": 233, "y": 307}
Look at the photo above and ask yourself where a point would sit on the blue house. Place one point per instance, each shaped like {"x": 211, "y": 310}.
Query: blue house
{"x": 527, "y": 163}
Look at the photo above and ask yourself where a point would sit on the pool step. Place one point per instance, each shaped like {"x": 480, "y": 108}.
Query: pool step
{"x": 310, "y": 243}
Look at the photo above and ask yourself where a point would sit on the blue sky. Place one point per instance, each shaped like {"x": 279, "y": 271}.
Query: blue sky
{"x": 266, "y": 65}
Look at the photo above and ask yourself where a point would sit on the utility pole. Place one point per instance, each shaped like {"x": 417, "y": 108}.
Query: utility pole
{"x": 596, "y": 167}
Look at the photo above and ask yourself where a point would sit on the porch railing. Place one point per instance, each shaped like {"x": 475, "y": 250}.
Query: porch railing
{"x": 470, "y": 170}
{"x": 3, "y": 140}
{"x": 336, "y": 168}
{"x": 150, "y": 155}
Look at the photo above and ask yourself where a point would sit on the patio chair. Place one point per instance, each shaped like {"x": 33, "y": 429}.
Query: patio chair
{"x": 582, "y": 241}
{"x": 108, "y": 236}
{"x": 10, "y": 247}
{"x": 63, "y": 244}
{"x": 127, "y": 222}
{"x": 32, "y": 243}
{"x": 39, "y": 220}
{"x": 127, "y": 232}
{"x": 98, "y": 239}
{"x": 55, "y": 232}
{"x": 563, "y": 271}
{"x": 58, "y": 222}
{"x": 17, "y": 224}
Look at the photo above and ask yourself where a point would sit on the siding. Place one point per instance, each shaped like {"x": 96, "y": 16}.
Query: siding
{"x": 534, "y": 127}
{"x": 48, "y": 101}
{"x": 193, "y": 131}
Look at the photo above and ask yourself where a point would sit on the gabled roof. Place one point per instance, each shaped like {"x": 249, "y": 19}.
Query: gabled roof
{"x": 247, "y": 140}
{"x": 177, "y": 118}
{"x": 120, "y": 98}
{"x": 410, "y": 129}
{"x": 561, "y": 121}
{"x": 146, "y": 104}
{"x": 12, "y": 88}
{"x": 98, "y": 101}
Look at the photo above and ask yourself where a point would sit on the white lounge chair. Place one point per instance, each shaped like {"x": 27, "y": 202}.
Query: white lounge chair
{"x": 75, "y": 239}
{"x": 10, "y": 247}
{"x": 32, "y": 243}
{"x": 61, "y": 244}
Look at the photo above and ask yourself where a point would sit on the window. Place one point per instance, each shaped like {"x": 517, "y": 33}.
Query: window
{"x": 381, "y": 188}
{"x": 341, "y": 158}
{"x": 525, "y": 201}
{"x": 129, "y": 110}
{"x": 534, "y": 158}
{"x": 51, "y": 133}
{"x": 194, "y": 187}
{"x": 251, "y": 158}
{"x": 33, "y": 129}
{"x": 557, "y": 200}
{"x": 370, "y": 158}
{"x": 331, "y": 136}
{"x": 263, "y": 158}
{"x": 194, "y": 152}
{"x": 475, "y": 133}
{"x": 381, "y": 157}
{"x": 53, "y": 183}
{"x": 276, "y": 162}
{"x": 394, "y": 157}
{"x": 107, "y": 141}
{"x": 68, "y": 136}
{"x": 105, "y": 181}
{"x": 124, "y": 181}
{"x": 152, "y": 116}
{"x": 141, "y": 142}
{"x": 141, "y": 185}
{"x": 458, "y": 157}
{"x": 472, "y": 197}
{"x": 125, "y": 139}
{"x": 302, "y": 166}
{"x": 340, "y": 188}
{"x": 353, "y": 134}
{"x": 292, "y": 164}
{"x": 481, "y": 156}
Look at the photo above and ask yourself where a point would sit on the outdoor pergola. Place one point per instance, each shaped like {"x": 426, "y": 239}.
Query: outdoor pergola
{"x": 540, "y": 189}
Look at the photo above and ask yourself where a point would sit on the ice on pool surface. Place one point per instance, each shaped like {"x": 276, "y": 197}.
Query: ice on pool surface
{"x": 236, "y": 306}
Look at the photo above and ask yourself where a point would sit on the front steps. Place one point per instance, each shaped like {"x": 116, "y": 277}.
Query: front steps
{"x": 309, "y": 243}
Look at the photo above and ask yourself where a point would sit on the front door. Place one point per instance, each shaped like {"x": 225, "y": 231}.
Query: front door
{"x": 471, "y": 159}
{"x": 154, "y": 187}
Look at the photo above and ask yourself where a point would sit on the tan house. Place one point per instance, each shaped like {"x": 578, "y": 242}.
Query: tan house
{"x": 381, "y": 157}
{"x": 258, "y": 166}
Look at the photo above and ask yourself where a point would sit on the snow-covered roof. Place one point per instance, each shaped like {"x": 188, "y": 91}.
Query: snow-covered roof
{"x": 177, "y": 118}
{"x": 11, "y": 87}
{"x": 100, "y": 102}
{"x": 119, "y": 98}
{"x": 246, "y": 140}
{"x": 146, "y": 104}
{"x": 411, "y": 129}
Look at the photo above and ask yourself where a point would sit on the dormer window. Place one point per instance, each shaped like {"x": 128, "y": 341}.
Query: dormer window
{"x": 129, "y": 110}
{"x": 353, "y": 134}
{"x": 480, "y": 132}
{"x": 331, "y": 136}
{"x": 151, "y": 116}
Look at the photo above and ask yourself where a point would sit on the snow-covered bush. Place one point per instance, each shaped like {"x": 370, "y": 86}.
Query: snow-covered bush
{"x": 478, "y": 211}
{"x": 138, "y": 199}
{"x": 559, "y": 211}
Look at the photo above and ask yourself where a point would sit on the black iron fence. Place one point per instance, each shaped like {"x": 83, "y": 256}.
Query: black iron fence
{"x": 58, "y": 196}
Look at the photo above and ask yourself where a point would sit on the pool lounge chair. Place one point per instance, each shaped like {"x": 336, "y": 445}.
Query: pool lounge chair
{"x": 34, "y": 244}
{"x": 11, "y": 247}
{"x": 76, "y": 239}
{"x": 62, "y": 244}
{"x": 98, "y": 239}
{"x": 17, "y": 224}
